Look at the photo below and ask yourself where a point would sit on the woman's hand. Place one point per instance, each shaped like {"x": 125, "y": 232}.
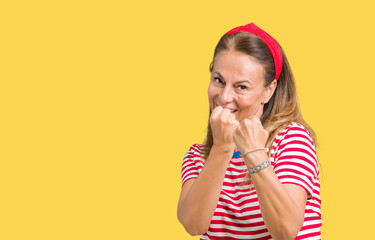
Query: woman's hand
{"x": 223, "y": 124}
{"x": 250, "y": 134}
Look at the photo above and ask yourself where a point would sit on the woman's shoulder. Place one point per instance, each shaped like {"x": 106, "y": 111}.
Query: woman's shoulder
{"x": 197, "y": 149}
{"x": 293, "y": 129}
{"x": 195, "y": 154}
{"x": 293, "y": 126}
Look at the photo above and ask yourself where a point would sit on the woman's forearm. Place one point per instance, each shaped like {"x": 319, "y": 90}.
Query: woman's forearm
{"x": 282, "y": 215}
{"x": 195, "y": 211}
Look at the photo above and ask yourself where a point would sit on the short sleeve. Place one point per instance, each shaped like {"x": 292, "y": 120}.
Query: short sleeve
{"x": 189, "y": 168}
{"x": 296, "y": 160}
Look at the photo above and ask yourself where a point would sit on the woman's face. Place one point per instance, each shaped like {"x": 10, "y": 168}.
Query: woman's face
{"x": 237, "y": 83}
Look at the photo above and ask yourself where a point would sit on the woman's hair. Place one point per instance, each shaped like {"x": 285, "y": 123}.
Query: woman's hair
{"x": 282, "y": 108}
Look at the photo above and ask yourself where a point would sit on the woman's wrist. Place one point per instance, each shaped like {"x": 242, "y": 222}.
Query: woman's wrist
{"x": 223, "y": 148}
{"x": 255, "y": 158}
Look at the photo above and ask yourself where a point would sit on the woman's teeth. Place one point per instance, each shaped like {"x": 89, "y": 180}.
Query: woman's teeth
{"x": 231, "y": 110}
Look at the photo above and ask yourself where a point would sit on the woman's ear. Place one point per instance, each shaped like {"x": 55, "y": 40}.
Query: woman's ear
{"x": 270, "y": 90}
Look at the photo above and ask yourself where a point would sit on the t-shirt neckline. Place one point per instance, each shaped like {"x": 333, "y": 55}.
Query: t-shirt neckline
{"x": 236, "y": 154}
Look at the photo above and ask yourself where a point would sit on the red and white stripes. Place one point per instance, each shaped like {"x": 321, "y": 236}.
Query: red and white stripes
{"x": 237, "y": 215}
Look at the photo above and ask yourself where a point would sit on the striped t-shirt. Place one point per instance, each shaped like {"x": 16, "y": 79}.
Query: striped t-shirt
{"x": 237, "y": 215}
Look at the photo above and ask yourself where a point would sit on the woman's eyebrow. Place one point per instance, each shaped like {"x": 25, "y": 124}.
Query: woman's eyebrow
{"x": 219, "y": 75}
{"x": 244, "y": 81}
{"x": 238, "y": 82}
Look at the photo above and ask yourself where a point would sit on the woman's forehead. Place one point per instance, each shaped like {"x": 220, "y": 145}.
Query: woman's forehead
{"x": 233, "y": 64}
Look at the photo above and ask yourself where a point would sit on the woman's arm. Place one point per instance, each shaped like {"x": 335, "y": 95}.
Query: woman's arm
{"x": 282, "y": 205}
{"x": 199, "y": 197}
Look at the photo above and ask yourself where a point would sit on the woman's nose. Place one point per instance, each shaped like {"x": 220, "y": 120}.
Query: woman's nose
{"x": 226, "y": 95}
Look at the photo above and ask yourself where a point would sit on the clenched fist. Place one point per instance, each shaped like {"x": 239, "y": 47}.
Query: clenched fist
{"x": 250, "y": 134}
{"x": 223, "y": 124}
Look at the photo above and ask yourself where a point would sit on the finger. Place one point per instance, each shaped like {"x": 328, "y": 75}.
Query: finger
{"x": 232, "y": 117}
{"x": 237, "y": 123}
{"x": 216, "y": 112}
{"x": 257, "y": 120}
{"x": 238, "y": 129}
{"x": 224, "y": 115}
{"x": 247, "y": 121}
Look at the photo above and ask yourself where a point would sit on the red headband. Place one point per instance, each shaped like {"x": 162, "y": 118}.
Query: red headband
{"x": 268, "y": 40}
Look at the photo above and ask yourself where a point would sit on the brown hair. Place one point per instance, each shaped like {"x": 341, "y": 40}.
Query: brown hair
{"x": 282, "y": 108}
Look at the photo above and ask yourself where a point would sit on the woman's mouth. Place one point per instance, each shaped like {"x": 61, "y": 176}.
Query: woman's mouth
{"x": 232, "y": 110}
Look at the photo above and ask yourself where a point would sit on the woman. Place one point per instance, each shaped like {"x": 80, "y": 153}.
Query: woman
{"x": 256, "y": 176}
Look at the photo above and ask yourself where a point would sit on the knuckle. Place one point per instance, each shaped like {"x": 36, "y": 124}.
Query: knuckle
{"x": 216, "y": 111}
{"x": 247, "y": 121}
{"x": 239, "y": 128}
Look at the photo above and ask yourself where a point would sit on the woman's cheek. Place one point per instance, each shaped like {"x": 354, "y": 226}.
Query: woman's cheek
{"x": 245, "y": 113}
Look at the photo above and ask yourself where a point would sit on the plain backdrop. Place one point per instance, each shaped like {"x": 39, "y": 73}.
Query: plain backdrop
{"x": 100, "y": 100}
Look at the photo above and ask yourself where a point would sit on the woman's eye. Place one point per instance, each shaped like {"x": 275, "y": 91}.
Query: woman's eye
{"x": 242, "y": 87}
{"x": 218, "y": 80}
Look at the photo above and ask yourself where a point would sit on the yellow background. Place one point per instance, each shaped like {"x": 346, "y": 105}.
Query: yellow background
{"x": 100, "y": 100}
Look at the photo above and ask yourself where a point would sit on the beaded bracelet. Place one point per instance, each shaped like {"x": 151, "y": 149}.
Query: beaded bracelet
{"x": 259, "y": 167}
